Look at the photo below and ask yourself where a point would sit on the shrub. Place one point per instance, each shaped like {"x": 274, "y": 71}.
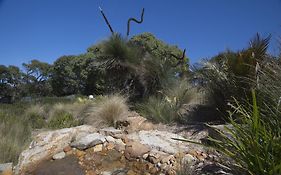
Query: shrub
{"x": 166, "y": 106}
{"x": 15, "y": 135}
{"x": 62, "y": 119}
{"x": 157, "y": 109}
{"x": 106, "y": 110}
{"x": 36, "y": 115}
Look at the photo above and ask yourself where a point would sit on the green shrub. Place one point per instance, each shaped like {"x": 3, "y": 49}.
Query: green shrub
{"x": 15, "y": 135}
{"x": 62, "y": 119}
{"x": 106, "y": 110}
{"x": 166, "y": 106}
{"x": 157, "y": 109}
{"x": 36, "y": 115}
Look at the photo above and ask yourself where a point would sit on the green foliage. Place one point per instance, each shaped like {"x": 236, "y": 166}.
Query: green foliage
{"x": 62, "y": 119}
{"x": 233, "y": 74}
{"x": 166, "y": 106}
{"x": 37, "y": 78}
{"x": 253, "y": 143}
{"x": 10, "y": 81}
{"x": 35, "y": 115}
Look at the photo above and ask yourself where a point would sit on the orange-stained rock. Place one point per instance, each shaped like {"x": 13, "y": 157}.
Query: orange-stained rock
{"x": 67, "y": 149}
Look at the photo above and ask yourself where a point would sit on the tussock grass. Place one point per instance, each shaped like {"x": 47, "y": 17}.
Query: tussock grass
{"x": 107, "y": 110}
{"x": 15, "y": 135}
{"x": 166, "y": 106}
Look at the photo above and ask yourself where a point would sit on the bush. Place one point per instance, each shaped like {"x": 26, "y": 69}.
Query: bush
{"x": 15, "y": 135}
{"x": 106, "y": 110}
{"x": 166, "y": 106}
{"x": 36, "y": 116}
{"x": 62, "y": 119}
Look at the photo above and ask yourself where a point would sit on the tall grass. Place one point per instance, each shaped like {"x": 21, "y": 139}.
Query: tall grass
{"x": 166, "y": 106}
{"x": 107, "y": 110}
{"x": 254, "y": 144}
{"x": 15, "y": 135}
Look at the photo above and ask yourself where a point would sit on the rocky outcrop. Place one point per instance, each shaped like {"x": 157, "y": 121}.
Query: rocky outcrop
{"x": 116, "y": 151}
{"x": 47, "y": 144}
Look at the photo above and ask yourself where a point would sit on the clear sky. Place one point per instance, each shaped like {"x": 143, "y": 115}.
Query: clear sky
{"x": 48, "y": 29}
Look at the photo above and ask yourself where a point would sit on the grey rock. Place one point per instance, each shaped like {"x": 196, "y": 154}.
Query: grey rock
{"x": 88, "y": 141}
{"x": 59, "y": 155}
{"x": 160, "y": 140}
{"x": 110, "y": 131}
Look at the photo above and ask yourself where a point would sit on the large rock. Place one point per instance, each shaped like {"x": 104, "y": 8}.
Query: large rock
{"x": 160, "y": 140}
{"x": 88, "y": 141}
{"x": 135, "y": 150}
{"x": 47, "y": 144}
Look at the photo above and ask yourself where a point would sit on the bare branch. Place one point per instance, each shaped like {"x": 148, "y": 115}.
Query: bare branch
{"x": 108, "y": 24}
{"x": 180, "y": 59}
{"x": 135, "y": 20}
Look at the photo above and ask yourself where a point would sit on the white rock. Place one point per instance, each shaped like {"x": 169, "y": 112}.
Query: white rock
{"x": 47, "y": 144}
{"x": 98, "y": 148}
{"x": 59, "y": 155}
{"x": 188, "y": 158}
{"x": 88, "y": 141}
{"x": 160, "y": 140}
{"x": 110, "y": 139}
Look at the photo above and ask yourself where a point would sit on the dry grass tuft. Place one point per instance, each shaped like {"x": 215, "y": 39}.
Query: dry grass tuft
{"x": 107, "y": 110}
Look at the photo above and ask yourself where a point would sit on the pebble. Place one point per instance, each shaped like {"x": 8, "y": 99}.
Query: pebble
{"x": 67, "y": 149}
{"x": 59, "y": 155}
{"x": 98, "y": 148}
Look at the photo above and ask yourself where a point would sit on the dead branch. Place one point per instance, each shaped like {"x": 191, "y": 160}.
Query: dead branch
{"x": 107, "y": 22}
{"x": 180, "y": 59}
{"x": 135, "y": 20}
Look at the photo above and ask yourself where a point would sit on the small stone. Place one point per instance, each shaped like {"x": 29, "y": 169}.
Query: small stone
{"x": 98, "y": 148}
{"x": 167, "y": 159}
{"x": 158, "y": 164}
{"x": 200, "y": 158}
{"x": 125, "y": 139}
{"x": 80, "y": 153}
{"x": 88, "y": 141}
{"x": 110, "y": 146}
{"x": 171, "y": 172}
{"x": 149, "y": 166}
{"x": 91, "y": 172}
{"x": 111, "y": 131}
{"x": 188, "y": 158}
{"x": 131, "y": 172}
{"x": 153, "y": 159}
{"x": 135, "y": 150}
{"x": 110, "y": 139}
{"x": 193, "y": 152}
{"x": 58, "y": 156}
{"x": 67, "y": 149}
{"x": 145, "y": 156}
{"x": 153, "y": 170}
{"x": 204, "y": 155}
{"x": 120, "y": 147}
{"x": 200, "y": 164}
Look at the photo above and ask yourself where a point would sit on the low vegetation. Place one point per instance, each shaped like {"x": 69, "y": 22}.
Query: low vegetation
{"x": 106, "y": 110}
{"x": 154, "y": 79}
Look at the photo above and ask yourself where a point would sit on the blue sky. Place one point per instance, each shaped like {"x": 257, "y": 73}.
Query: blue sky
{"x": 48, "y": 29}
